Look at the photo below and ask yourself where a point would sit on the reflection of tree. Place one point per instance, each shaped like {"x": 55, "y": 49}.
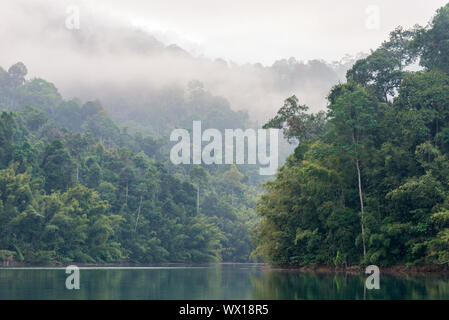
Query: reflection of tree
{"x": 214, "y": 282}
{"x": 294, "y": 285}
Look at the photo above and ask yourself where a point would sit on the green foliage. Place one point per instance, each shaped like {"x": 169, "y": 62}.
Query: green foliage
{"x": 6, "y": 255}
{"x": 296, "y": 123}
{"x": 76, "y": 187}
{"x": 433, "y": 42}
{"x": 385, "y": 146}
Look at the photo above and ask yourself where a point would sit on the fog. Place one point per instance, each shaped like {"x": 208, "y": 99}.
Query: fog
{"x": 122, "y": 59}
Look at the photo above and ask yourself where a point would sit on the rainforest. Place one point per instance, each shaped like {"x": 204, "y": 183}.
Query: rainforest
{"x": 363, "y": 181}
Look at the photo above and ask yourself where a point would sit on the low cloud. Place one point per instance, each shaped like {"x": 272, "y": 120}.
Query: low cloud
{"x": 123, "y": 65}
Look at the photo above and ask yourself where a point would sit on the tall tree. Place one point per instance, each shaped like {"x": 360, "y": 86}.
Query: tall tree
{"x": 200, "y": 177}
{"x": 353, "y": 119}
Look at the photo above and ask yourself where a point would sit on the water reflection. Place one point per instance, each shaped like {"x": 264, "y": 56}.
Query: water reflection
{"x": 212, "y": 282}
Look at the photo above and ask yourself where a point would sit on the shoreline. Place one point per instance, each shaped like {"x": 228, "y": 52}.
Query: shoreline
{"x": 396, "y": 270}
{"x": 121, "y": 264}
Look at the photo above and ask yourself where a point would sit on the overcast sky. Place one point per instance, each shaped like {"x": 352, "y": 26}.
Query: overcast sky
{"x": 249, "y": 30}
{"x": 267, "y": 30}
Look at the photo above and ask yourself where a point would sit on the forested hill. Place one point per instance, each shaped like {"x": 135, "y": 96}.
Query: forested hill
{"x": 142, "y": 77}
{"x": 370, "y": 185}
{"x": 76, "y": 187}
{"x": 368, "y": 182}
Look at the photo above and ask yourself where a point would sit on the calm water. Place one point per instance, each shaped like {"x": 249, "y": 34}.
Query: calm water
{"x": 238, "y": 281}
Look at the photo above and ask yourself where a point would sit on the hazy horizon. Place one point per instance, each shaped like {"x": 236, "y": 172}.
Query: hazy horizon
{"x": 130, "y": 49}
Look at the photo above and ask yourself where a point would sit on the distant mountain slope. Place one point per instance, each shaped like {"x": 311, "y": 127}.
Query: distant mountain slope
{"x": 133, "y": 73}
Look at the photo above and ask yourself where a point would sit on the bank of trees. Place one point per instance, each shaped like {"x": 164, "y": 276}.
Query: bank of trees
{"x": 373, "y": 186}
{"x": 74, "y": 186}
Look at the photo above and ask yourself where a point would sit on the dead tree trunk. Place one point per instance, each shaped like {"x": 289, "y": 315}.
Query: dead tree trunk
{"x": 138, "y": 214}
{"x": 359, "y": 178}
{"x": 361, "y": 205}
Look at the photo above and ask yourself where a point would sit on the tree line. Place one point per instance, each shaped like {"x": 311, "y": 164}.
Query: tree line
{"x": 368, "y": 182}
{"x": 74, "y": 186}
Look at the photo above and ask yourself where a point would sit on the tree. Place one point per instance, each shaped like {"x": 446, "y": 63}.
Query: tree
{"x": 39, "y": 94}
{"x": 433, "y": 42}
{"x": 8, "y": 137}
{"x": 233, "y": 179}
{"x": 126, "y": 179}
{"x": 353, "y": 118}
{"x": 380, "y": 72}
{"x": 296, "y": 123}
{"x": 400, "y": 46}
{"x": 427, "y": 93}
{"x": 17, "y": 73}
{"x": 58, "y": 167}
{"x": 200, "y": 177}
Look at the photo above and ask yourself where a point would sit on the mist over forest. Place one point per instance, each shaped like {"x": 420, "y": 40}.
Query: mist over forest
{"x": 91, "y": 114}
{"x": 86, "y": 173}
{"x": 135, "y": 75}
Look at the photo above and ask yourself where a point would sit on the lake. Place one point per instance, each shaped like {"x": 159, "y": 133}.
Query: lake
{"x": 216, "y": 281}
